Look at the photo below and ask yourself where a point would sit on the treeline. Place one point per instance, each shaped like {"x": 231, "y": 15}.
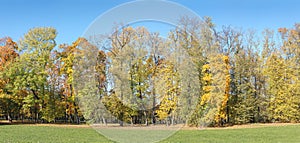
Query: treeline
{"x": 198, "y": 75}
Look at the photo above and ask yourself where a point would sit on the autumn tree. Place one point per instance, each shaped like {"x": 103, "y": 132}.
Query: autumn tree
{"x": 282, "y": 76}
{"x": 54, "y": 105}
{"x": 246, "y": 82}
{"x": 10, "y": 104}
{"x": 168, "y": 92}
{"x": 119, "y": 54}
{"x": 199, "y": 75}
{"x": 30, "y": 72}
{"x": 70, "y": 58}
{"x": 90, "y": 82}
{"x": 190, "y": 40}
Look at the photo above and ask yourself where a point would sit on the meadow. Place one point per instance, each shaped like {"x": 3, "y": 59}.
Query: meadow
{"x": 289, "y": 133}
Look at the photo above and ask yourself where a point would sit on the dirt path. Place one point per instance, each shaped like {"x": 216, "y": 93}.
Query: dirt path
{"x": 156, "y": 127}
{"x": 257, "y": 125}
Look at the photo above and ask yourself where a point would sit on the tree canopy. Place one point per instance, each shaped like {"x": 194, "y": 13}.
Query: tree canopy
{"x": 198, "y": 75}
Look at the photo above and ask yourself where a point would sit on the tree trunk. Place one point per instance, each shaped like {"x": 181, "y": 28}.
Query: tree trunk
{"x": 172, "y": 120}
{"x": 9, "y": 118}
{"x": 167, "y": 121}
{"x": 146, "y": 118}
{"x": 131, "y": 120}
{"x": 153, "y": 106}
{"x": 121, "y": 118}
{"x": 104, "y": 121}
{"x": 77, "y": 120}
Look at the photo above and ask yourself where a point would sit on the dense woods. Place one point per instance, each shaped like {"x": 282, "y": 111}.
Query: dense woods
{"x": 199, "y": 75}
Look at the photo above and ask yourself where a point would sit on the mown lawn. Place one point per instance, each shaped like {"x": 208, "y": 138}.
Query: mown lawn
{"x": 53, "y": 134}
{"x": 274, "y": 134}
{"x": 49, "y": 134}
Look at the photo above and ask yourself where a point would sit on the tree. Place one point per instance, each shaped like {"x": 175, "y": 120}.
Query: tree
{"x": 54, "y": 105}
{"x": 202, "y": 105}
{"x": 222, "y": 114}
{"x": 10, "y": 104}
{"x": 132, "y": 68}
{"x": 282, "y": 78}
{"x": 244, "y": 101}
{"x": 70, "y": 58}
{"x": 154, "y": 61}
{"x": 119, "y": 55}
{"x": 31, "y": 68}
{"x": 90, "y": 82}
{"x": 191, "y": 40}
{"x": 168, "y": 91}
{"x": 199, "y": 75}
{"x": 291, "y": 52}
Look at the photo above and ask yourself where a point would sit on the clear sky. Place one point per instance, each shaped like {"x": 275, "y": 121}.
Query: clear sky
{"x": 72, "y": 17}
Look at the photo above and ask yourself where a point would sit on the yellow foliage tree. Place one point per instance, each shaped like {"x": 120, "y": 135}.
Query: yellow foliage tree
{"x": 169, "y": 91}
{"x": 222, "y": 114}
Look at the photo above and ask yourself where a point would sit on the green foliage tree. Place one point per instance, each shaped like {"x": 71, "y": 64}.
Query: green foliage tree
{"x": 31, "y": 69}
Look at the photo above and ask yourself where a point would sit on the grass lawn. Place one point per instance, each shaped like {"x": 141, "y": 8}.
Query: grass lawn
{"x": 274, "y": 134}
{"x": 74, "y": 134}
{"x": 49, "y": 134}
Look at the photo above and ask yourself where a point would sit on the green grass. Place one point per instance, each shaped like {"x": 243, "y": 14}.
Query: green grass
{"x": 47, "y": 134}
{"x": 52, "y": 134}
{"x": 279, "y": 134}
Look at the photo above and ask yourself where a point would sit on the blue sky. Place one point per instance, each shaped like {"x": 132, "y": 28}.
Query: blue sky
{"x": 72, "y": 17}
